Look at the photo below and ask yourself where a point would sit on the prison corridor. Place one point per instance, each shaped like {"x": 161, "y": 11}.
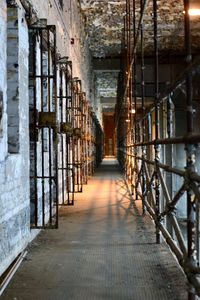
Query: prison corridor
{"x": 104, "y": 249}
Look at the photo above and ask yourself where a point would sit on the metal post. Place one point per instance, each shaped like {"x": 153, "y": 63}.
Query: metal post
{"x": 135, "y": 96}
{"x": 143, "y": 107}
{"x": 190, "y": 149}
{"x": 42, "y": 130}
{"x": 34, "y": 130}
{"x": 156, "y": 104}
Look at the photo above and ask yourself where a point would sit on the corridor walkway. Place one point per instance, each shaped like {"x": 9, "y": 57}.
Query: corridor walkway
{"x": 104, "y": 249}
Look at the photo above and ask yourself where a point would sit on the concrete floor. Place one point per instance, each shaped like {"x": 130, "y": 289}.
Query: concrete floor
{"x": 104, "y": 249}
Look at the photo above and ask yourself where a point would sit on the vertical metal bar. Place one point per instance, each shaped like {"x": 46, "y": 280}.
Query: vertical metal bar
{"x": 190, "y": 150}
{"x": 71, "y": 158}
{"x": 55, "y": 133}
{"x": 135, "y": 96}
{"x": 42, "y": 130}
{"x": 130, "y": 88}
{"x": 126, "y": 34}
{"x": 156, "y": 103}
{"x": 131, "y": 100}
{"x": 49, "y": 107}
{"x": 143, "y": 107}
{"x": 68, "y": 138}
{"x": 62, "y": 142}
{"x": 34, "y": 49}
{"x": 197, "y": 232}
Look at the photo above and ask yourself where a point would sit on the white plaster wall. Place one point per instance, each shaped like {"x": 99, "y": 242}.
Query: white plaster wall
{"x": 14, "y": 187}
{"x": 69, "y": 24}
{"x": 15, "y": 231}
{"x": 3, "y": 87}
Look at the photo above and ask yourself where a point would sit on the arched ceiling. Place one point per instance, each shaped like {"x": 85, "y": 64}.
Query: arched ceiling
{"x": 104, "y": 24}
{"x": 104, "y": 21}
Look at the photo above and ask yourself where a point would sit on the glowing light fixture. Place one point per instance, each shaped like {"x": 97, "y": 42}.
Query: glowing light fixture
{"x": 127, "y": 121}
{"x": 133, "y": 111}
{"x": 194, "y": 8}
{"x": 194, "y": 11}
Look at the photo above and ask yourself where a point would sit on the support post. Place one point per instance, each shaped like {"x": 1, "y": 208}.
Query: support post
{"x": 143, "y": 107}
{"x": 156, "y": 103}
{"x": 190, "y": 149}
{"x": 135, "y": 97}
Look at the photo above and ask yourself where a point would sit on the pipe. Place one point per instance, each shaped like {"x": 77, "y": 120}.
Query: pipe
{"x": 156, "y": 104}
{"x": 193, "y": 139}
{"x": 12, "y": 272}
{"x": 191, "y": 229}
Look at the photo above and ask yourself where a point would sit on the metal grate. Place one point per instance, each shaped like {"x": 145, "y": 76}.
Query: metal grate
{"x": 43, "y": 126}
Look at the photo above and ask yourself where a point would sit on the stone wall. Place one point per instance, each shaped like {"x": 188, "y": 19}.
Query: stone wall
{"x": 15, "y": 95}
{"x": 71, "y": 37}
{"x": 14, "y": 165}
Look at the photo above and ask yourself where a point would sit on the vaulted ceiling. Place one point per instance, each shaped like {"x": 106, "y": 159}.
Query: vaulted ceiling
{"x": 104, "y": 22}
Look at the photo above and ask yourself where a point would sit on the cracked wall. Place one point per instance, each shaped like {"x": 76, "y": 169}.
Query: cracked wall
{"x": 14, "y": 168}
{"x": 15, "y": 231}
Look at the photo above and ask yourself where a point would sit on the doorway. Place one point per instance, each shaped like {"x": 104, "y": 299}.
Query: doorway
{"x": 109, "y": 134}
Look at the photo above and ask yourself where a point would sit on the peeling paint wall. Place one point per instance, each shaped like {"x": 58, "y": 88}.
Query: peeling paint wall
{"x": 71, "y": 37}
{"x": 15, "y": 231}
{"x": 14, "y": 168}
{"x": 3, "y": 82}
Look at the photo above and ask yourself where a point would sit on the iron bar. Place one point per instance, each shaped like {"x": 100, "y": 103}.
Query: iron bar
{"x": 193, "y": 176}
{"x": 156, "y": 104}
{"x": 42, "y": 130}
{"x": 43, "y": 142}
{"x": 178, "y": 82}
{"x": 165, "y": 233}
{"x": 137, "y": 34}
{"x": 190, "y": 138}
{"x": 49, "y": 129}
{"x": 149, "y": 184}
{"x": 70, "y": 179}
{"x": 173, "y": 218}
{"x": 135, "y": 89}
{"x": 190, "y": 150}
{"x": 142, "y": 104}
{"x": 153, "y": 131}
{"x": 33, "y": 129}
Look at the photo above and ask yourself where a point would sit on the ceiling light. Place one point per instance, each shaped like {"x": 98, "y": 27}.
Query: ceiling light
{"x": 127, "y": 121}
{"x": 194, "y": 8}
{"x": 194, "y": 11}
{"x": 133, "y": 111}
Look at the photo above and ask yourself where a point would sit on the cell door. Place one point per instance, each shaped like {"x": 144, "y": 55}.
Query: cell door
{"x": 66, "y": 145}
{"x": 77, "y": 136}
{"x": 43, "y": 126}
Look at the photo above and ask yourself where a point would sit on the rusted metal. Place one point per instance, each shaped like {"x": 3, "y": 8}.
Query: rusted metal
{"x": 142, "y": 80}
{"x": 156, "y": 104}
{"x": 190, "y": 149}
{"x": 155, "y": 132}
{"x": 189, "y": 138}
{"x": 43, "y": 127}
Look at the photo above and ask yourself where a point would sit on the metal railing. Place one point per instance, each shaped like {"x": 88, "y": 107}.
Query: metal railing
{"x": 161, "y": 166}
